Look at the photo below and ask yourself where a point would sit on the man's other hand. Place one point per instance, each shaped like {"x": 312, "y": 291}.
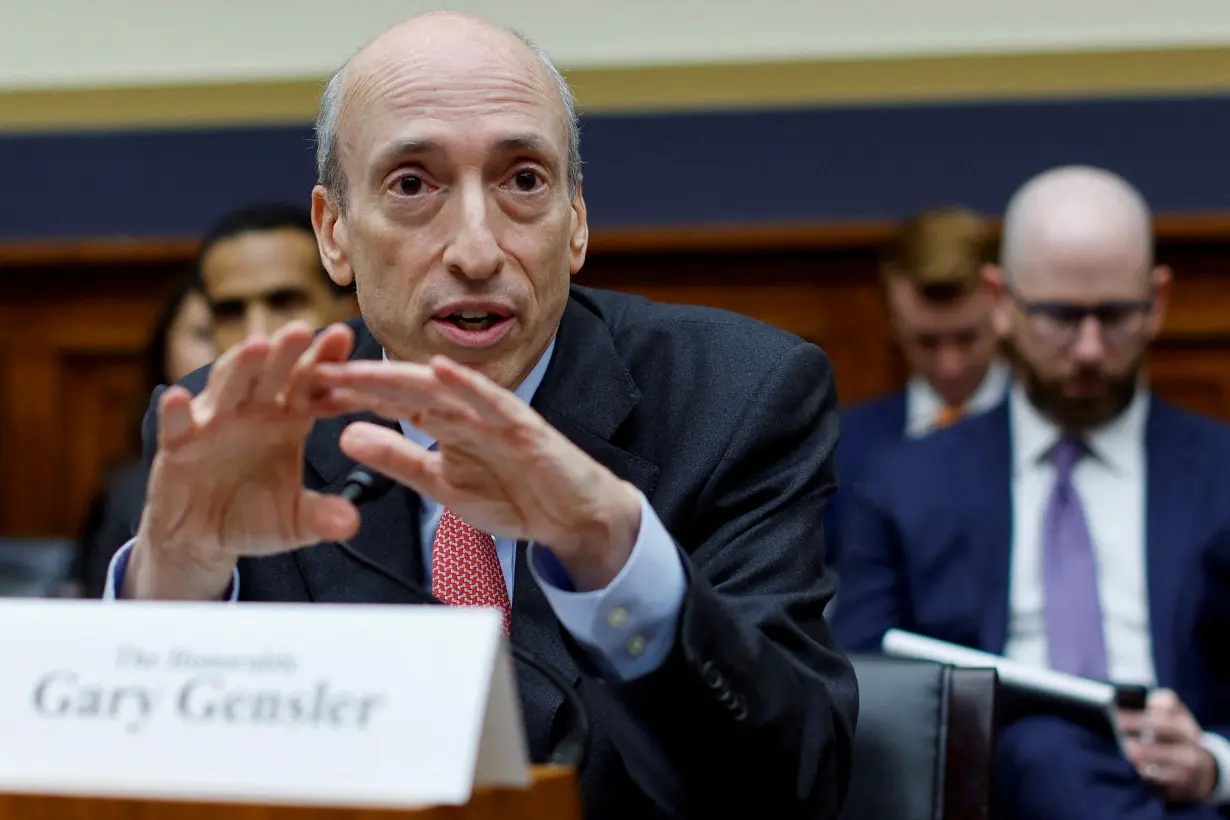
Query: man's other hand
{"x": 1163, "y": 742}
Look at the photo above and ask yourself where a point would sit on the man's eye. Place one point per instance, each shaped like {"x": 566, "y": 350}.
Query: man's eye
{"x": 526, "y": 180}
{"x": 228, "y": 310}
{"x": 409, "y": 185}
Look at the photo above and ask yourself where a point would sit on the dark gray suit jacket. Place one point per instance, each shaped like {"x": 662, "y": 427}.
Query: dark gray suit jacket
{"x": 728, "y": 427}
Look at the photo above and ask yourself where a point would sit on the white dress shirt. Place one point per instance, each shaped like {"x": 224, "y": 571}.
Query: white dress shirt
{"x": 923, "y": 404}
{"x": 1110, "y": 482}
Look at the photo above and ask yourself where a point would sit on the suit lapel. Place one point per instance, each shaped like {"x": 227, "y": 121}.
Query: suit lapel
{"x": 388, "y": 531}
{"x": 1173, "y": 470}
{"x": 586, "y": 394}
{"x": 989, "y": 487}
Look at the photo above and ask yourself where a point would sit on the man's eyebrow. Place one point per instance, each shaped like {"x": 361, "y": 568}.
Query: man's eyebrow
{"x": 523, "y": 142}
{"x": 408, "y": 148}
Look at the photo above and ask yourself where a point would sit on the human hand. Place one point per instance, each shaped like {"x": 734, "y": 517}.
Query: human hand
{"x": 1163, "y": 742}
{"x": 497, "y": 463}
{"x": 227, "y": 480}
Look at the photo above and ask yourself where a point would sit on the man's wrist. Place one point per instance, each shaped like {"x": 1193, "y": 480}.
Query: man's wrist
{"x": 604, "y": 544}
{"x": 160, "y": 574}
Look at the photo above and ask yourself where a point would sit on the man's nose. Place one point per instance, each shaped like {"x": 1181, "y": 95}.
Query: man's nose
{"x": 258, "y": 320}
{"x": 950, "y": 361}
{"x": 473, "y": 251}
{"x": 1089, "y": 346}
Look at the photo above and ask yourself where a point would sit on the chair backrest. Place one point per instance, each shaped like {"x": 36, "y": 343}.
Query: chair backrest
{"x": 925, "y": 744}
{"x": 35, "y": 567}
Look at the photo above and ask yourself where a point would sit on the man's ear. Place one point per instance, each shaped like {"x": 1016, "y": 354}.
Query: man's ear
{"x": 993, "y": 282}
{"x": 578, "y": 232}
{"x": 332, "y": 238}
{"x": 1162, "y": 277}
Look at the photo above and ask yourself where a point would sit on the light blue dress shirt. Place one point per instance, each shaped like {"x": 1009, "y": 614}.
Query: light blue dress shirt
{"x": 629, "y": 626}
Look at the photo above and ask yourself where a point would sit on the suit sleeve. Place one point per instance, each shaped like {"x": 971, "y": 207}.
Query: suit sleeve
{"x": 873, "y": 594}
{"x": 753, "y": 710}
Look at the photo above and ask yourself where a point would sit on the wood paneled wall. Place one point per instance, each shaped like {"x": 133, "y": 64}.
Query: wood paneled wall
{"x": 74, "y": 321}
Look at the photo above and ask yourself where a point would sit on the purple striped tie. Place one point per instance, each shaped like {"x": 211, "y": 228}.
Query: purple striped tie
{"x": 1074, "y": 637}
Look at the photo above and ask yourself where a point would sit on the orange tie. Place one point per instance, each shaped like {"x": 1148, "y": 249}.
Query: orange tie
{"x": 948, "y": 416}
{"x": 465, "y": 569}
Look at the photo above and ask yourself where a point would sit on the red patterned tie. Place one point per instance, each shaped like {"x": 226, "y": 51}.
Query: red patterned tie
{"x": 465, "y": 569}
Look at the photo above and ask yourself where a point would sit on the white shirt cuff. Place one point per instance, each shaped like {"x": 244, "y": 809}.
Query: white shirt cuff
{"x": 631, "y": 623}
{"x": 119, "y": 565}
{"x": 1219, "y": 747}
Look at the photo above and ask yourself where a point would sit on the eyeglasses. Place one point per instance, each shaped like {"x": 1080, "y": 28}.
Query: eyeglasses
{"x": 1058, "y": 324}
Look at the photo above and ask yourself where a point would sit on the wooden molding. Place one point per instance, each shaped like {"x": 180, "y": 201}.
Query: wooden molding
{"x": 95, "y": 252}
{"x": 716, "y": 238}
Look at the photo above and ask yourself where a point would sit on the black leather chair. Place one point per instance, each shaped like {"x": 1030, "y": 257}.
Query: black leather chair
{"x": 925, "y": 747}
{"x": 35, "y": 567}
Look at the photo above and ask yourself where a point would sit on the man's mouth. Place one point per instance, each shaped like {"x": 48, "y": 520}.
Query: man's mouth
{"x": 474, "y": 320}
{"x": 474, "y": 326}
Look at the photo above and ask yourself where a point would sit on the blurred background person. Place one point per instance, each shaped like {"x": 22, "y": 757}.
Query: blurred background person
{"x": 260, "y": 268}
{"x": 931, "y": 273}
{"x": 181, "y": 342}
{"x": 1082, "y": 526}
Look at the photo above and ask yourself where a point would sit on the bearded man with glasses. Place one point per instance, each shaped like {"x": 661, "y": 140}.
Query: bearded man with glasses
{"x": 1084, "y": 526}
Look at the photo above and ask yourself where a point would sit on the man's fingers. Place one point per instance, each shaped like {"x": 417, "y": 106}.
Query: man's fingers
{"x": 413, "y": 386}
{"x": 324, "y": 517}
{"x": 334, "y": 403}
{"x": 232, "y": 385}
{"x": 389, "y": 452}
{"x": 333, "y": 344}
{"x": 1131, "y": 722}
{"x": 336, "y": 343}
{"x": 405, "y": 375}
{"x": 287, "y": 345}
{"x": 395, "y": 391}
{"x": 174, "y": 416}
{"x": 1172, "y": 767}
{"x": 1164, "y": 701}
{"x": 494, "y": 405}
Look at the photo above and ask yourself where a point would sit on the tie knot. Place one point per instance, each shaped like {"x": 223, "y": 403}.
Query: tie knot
{"x": 1066, "y": 452}
{"x": 948, "y": 415}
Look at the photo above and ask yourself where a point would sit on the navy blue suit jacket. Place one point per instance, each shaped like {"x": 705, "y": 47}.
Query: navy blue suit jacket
{"x": 866, "y": 429}
{"x": 929, "y": 532}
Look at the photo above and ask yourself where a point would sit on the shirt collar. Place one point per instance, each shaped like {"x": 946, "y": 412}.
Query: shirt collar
{"x": 524, "y": 391}
{"x": 1033, "y": 435}
{"x": 923, "y": 404}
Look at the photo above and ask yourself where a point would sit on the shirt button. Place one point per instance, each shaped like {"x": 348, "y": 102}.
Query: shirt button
{"x": 636, "y": 645}
{"x": 617, "y": 617}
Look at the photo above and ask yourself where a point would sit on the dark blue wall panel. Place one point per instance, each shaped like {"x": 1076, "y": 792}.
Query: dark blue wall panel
{"x": 764, "y": 166}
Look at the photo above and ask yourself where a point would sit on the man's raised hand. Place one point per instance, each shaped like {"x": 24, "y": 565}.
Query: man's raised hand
{"x": 227, "y": 479}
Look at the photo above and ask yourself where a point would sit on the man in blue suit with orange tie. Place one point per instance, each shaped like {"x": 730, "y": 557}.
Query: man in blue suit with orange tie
{"x": 931, "y": 272}
{"x": 1083, "y": 526}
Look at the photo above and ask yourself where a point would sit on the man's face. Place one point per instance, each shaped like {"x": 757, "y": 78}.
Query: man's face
{"x": 950, "y": 343}
{"x": 258, "y": 281}
{"x": 459, "y": 228}
{"x": 1077, "y": 321}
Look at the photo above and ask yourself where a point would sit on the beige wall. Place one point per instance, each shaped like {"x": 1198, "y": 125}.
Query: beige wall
{"x": 87, "y": 43}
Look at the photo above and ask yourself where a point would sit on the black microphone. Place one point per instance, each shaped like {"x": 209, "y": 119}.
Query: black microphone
{"x": 363, "y": 485}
